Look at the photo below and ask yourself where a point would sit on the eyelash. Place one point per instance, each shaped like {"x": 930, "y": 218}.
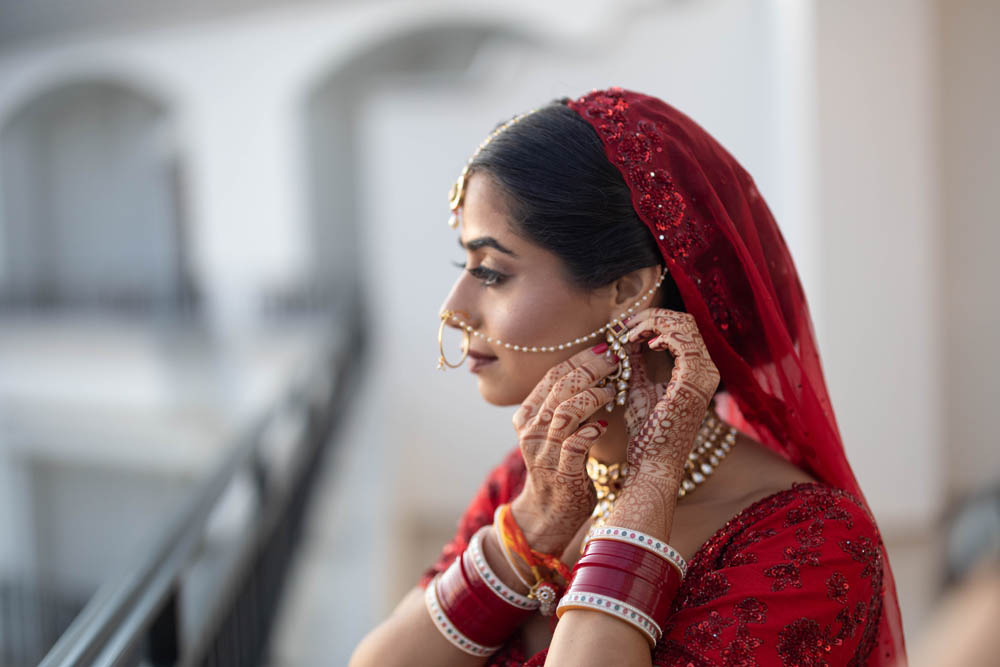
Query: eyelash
{"x": 488, "y": 277}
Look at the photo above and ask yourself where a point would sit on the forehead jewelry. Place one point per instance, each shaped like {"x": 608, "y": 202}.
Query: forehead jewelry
{"x": 457, "y": 192}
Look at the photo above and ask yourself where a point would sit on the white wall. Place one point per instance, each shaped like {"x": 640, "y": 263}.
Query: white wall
{"x": 969, "y": 236}
{"x": 882, "y": 267}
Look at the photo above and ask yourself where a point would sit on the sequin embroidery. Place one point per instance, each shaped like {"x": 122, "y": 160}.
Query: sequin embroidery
{"x": 729, "y": 609}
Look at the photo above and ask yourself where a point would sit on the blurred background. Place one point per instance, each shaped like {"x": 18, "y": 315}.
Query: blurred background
{"x": 223, "y": 246}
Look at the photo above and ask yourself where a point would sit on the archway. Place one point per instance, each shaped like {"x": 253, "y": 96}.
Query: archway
{"x": 91, "y": 202}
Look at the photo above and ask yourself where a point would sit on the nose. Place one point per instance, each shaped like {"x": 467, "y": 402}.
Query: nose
{"x": 459, "y": 303}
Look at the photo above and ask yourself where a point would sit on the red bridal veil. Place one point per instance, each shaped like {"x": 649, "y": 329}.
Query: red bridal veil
{"x": 736, "y": 277}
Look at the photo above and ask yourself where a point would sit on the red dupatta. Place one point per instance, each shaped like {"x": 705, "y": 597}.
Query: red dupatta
{"x": 734, "y": 272}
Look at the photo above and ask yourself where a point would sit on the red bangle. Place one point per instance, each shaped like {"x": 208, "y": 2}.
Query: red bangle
{"x": 473, "y": 608}
{"x": 496, "y": 614}
{"x": 634, "y": 555}
{"x": 447, "y": 629}
{"x": 636, "y": 538}
{"x": 641, "y": 579}
{"x": 652, "y": 599}
{"x": 653, "y": 570}
{"x": 657, "y": 570}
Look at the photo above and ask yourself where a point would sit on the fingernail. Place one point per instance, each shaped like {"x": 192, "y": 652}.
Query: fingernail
{"x": 599, "y": 349}
{"x": 602, "y": 422}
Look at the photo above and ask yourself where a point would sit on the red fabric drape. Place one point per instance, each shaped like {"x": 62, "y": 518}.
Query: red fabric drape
{"x": 735, "y": 274}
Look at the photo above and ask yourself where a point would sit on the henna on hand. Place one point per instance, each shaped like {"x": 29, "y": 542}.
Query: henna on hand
{"x": 657, "y": 453}
{"x": 643, "y": 392}
{"x": 558, "y": 496}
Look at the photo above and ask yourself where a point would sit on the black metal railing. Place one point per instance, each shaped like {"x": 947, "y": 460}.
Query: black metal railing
{"x": 32, "y": 618}
{"x": 208, "y": 593}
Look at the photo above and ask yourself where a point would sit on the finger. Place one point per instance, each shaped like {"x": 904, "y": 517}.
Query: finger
{"x": 659, "y": 321}
{"x": 533, "y": 403}
{"x": 693, "y": 367}
{"x": 681, "y": 338}
{"x": 571, "y": 413}
{"x": 678, "y": 333}
{"x": 643, "y": 316}
{"x": 588, "y": 374}
{"x": 643, "y": 331}
{"x": 575, "y": 448}
{"x": 544, "y": 445}
{"x": 659, "y": 343}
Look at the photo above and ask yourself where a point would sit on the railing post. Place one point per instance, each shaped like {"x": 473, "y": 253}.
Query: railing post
{"x": 163, "y": 641}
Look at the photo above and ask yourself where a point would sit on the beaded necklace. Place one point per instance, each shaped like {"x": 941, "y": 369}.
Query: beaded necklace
{"x": 714, "y": 441}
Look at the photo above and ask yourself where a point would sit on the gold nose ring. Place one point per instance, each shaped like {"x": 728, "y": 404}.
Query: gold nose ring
{"x": 466, "y": 338}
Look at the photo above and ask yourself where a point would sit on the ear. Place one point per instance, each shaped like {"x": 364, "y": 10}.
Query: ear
{"x": 632, "y": 287}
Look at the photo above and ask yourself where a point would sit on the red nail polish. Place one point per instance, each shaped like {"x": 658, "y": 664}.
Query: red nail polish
{"x": 599, "y": 349}
{"x": 602, "y": 422}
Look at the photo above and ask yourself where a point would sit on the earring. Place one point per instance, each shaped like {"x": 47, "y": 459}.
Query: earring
{"x": 617, "y": 336}
{"x": 442, "y": 362}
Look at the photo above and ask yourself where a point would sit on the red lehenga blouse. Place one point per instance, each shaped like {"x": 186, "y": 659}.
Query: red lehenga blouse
{"x": 793, "y": 579}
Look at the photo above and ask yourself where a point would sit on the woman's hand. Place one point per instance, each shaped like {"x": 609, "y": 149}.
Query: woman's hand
{"x": 558, "y": 497}
{"x": 643, "y": 391}
{"x": 658, "y": 451}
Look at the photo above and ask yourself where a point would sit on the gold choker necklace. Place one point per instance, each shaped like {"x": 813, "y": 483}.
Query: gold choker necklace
{"x": 714, "y": 441}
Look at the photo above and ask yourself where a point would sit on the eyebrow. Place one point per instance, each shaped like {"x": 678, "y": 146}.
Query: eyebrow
{"x": 486, "y": 242}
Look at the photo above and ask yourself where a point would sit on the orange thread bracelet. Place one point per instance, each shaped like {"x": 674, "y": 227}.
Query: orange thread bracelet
{"x": 513, "y": 540}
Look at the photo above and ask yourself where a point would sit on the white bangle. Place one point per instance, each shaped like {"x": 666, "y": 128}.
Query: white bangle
{"x": 620, "y": 610}
{"x": 506, "y": 555}
{"x": 446, "y": 627}
{"x": 508, "y": 594}
{"x": 658, "y": 547}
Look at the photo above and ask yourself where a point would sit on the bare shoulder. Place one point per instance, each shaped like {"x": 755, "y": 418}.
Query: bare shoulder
{"x": 757, "y": 471}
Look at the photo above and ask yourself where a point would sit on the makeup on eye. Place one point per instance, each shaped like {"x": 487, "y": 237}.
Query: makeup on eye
{"x": 489, "y": 277}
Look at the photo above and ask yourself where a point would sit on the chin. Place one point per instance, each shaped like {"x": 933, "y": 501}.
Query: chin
{"x": 496, "y": 394}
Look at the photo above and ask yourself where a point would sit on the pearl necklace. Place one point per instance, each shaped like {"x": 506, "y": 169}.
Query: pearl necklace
{"x": 569, "y": 344}
{"x": 705, "y": 457}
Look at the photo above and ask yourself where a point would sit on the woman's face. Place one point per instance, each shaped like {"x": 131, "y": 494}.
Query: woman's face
{"x": 515, "y": 291}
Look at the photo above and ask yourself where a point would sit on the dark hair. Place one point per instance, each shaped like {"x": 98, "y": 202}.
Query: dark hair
{"x": 563, "y": 194}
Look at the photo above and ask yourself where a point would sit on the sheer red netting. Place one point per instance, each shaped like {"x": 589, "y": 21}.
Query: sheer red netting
{"x": 733, "y": 269}
{"x": 800, "y": 577}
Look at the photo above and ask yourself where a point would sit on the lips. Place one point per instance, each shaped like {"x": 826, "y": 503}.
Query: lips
{"x": 478, "y": 360}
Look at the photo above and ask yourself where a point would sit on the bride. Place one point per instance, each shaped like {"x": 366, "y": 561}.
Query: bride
{"x": 679, "y": 493}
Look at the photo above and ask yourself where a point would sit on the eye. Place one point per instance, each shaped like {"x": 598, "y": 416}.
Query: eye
{"x": 488, "y": 277}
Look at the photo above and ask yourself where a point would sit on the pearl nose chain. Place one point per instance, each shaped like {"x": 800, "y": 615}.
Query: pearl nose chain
{"x": 615, "y": 331}
{"x": 468, "y": 328}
